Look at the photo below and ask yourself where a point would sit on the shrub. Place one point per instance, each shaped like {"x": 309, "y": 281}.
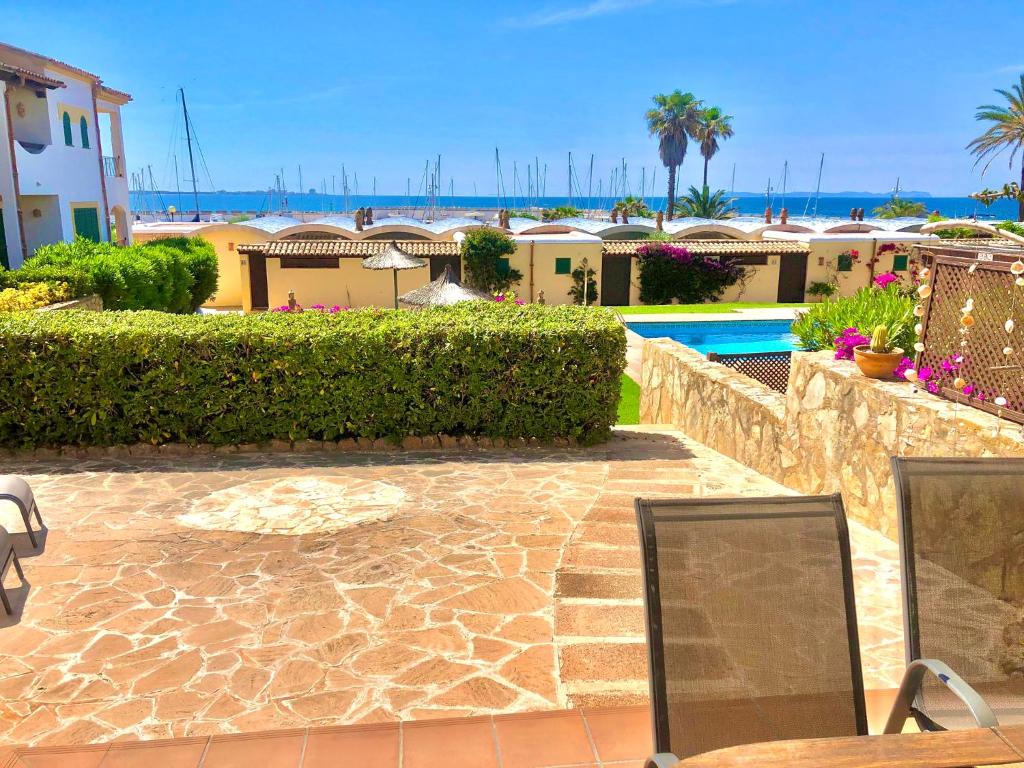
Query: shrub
{"x": 71, "y": 278}
{"x": 482, "y": 252}
{"x": 106, "y": 378}
{"x": 31, "y": 296}
{"x": 584, "y": 271}
{"x": 200, "y": 260}
{"x": 822, "y": 288}
{"x": 523, "y": 215}
{"x": 819, "y": 326}
{"x": 561, "y": 212}
{"x": 670, "y": 272}
{"x": 1011, "y": 226}
{"x": 167, "y": 275}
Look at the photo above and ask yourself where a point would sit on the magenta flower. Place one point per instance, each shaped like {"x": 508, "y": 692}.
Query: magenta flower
{"x": 905, "y": 364}
{"x": 969, "y": 390}
{"x": 886, "y": 279}
{"x": 500, "y": 297}
{"x": 520, "y": 302}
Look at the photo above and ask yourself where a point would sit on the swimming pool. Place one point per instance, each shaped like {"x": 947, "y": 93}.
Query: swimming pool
{"x": 726, "y": 337}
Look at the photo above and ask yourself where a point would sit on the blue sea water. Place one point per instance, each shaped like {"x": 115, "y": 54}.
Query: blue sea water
{"x": 317, "y": 203}
{"x": 725, "y": 337}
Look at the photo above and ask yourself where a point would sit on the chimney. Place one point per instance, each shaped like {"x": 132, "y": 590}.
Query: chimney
{"x": 369, "y": 215}
{"x": 360, "y": 213}
{"x": 768, "y": 215}
{"x": 659, "y": 221}
{"x": 784, "y": 215}
{"x": 853, "y": 214}
{"x": 860, "y": 214}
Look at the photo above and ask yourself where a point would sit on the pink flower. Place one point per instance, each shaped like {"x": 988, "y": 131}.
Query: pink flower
{"x": 886, "y": 279}
{"x": 520, "y": 302}
{"x": 969, "y": 389}
{"x": 500, "y": 297}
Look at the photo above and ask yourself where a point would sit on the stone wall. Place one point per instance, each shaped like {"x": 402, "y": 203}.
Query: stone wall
{"x": 93, "y": 303}
{"x": 833, "y": 432}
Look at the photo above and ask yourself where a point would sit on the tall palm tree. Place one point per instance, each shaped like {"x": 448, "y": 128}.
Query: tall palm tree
{"x": 1005, "y": 133}
{"x": 704, "y": 204}
{"x": 674, "y": 121}
{"x": 713, "y": 125}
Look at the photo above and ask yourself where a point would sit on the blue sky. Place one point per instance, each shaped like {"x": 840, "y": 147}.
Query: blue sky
{"x": 883, "y": 89}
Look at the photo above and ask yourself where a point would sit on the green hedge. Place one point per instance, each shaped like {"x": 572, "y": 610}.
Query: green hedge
{"x": 174, "y": 275}
{"x": 87, "y": 378}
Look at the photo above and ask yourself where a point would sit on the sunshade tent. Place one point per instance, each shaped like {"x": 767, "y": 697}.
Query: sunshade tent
{"x": 393, "y": 258}
{"x": 442, "y": 292}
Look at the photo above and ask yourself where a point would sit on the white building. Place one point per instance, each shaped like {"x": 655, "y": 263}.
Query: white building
{"x": 62, "y": 165}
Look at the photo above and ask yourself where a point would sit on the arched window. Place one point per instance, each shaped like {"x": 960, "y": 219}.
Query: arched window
{"x": 68, "y": 140}
{"x": 83, "y": 128}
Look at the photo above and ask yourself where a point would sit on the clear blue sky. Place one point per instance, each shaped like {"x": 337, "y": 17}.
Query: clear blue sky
{"x": 884, "y": 89}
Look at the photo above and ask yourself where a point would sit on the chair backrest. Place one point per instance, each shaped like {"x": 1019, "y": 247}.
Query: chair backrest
{"x": 961, "y": 525}
{"x": 751, "y": 623}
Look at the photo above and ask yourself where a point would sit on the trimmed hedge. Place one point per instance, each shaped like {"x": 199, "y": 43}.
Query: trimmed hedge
{"x": 31, "y": 296}
{"x": 88, "y": 378}
{"x": 174, "y": 275}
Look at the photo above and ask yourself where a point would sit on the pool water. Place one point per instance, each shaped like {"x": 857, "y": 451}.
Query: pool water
{"x": 726, "y": 337}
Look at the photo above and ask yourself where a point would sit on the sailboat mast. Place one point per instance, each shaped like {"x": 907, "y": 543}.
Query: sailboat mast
{"x": 817, "y": 189}
{"x": 785, "y": 175}
{"x": 191, "y": 160}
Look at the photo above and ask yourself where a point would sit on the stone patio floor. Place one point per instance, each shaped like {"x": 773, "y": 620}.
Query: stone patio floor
{"x": 215, "y": 594}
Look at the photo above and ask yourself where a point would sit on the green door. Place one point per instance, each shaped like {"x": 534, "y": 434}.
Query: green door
{"x": 87, "y": 224}
{"x": 4, "y": 261}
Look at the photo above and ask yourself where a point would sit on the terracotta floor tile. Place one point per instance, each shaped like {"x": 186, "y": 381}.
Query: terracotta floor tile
{"x": 457, "y": 743}
{"x": 180, "y": 753}
{"x": 621, "y": 733}
{"x": 371, "y": 746}
{"x": 64, "y": 757}
{"x": 281, "y": 749}
{"x": 542, "y": 739}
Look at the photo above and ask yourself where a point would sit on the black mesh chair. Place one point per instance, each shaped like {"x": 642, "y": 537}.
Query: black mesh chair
{"x": 961, "y": 525}
{"x": 751, "y": 624}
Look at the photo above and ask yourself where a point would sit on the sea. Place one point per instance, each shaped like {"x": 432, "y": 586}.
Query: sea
{"x": 752, "y": 205}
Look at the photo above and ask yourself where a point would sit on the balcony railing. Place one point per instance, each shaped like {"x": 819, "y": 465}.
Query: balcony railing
{"x": 112, "y": 166}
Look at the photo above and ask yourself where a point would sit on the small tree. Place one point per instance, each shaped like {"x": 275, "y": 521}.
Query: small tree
{"x": 482, "y": 252}
{"x": 576, "y": 291}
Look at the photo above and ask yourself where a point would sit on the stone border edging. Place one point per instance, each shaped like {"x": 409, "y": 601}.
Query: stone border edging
{"x": 345, "y": 445}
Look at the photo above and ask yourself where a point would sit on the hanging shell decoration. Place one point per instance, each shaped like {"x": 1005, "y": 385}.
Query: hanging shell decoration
{"x": 959, "y": 383}
{"x": 910, "y": 375}
{"x": 967, "y": 321}
{"x": 919, "y": 310}
{"x": 1009, "y": 325}
{"x": 924, "y": 291}
{"x": 1007, "y": 351}
{"x": 1017, "y": 267}
{"x": 1000, "y": 401}
{"x": 918, "y": 329}
{"x": 919, "y": 347}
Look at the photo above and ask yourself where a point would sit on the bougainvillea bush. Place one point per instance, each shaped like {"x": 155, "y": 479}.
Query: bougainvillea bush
{"x": 478, "y": 368}
{"x": 672, "y": 273}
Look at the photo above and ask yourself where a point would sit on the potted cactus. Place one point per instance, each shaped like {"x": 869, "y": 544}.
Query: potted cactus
{"x": 879, "y": 359}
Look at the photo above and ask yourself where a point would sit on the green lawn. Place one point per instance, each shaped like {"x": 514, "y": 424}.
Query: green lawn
{"x": 629, "y": 402}
{"x": 726, "y": 306}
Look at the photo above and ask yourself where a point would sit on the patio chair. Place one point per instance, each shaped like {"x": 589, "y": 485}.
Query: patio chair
{"x": 7, "y": 556}
{"x": 961, "y": 528}
{"x": 751, "y": 624}
{"x": 14, "y": 488}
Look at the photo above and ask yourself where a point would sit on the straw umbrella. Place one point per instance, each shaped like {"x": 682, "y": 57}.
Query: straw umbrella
{"x": 393, "y": 258}
{"x": 443, "y": 292}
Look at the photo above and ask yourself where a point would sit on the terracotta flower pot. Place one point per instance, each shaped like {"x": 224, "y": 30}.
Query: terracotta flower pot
{"x": 876, "y": 365}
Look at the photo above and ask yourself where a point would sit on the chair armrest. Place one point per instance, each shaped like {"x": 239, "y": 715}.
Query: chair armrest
{"x": 662, "y": 760}
{"x": 910, "y": 687}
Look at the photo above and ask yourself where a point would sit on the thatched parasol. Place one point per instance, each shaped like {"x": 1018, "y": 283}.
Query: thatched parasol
{"x": 393, "y": 258}
{"x": 443, "y": 292}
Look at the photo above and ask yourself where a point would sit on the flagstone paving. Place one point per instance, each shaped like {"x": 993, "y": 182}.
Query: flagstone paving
{"x": 229, "y": 593}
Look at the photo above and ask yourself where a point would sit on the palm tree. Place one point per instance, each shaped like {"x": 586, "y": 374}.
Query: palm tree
{"x": 633, "y": 206}
{"x": 702, "y": 204}
{"x": 895, "y": 208}
{"x": 714, "y": 125}
{"x": 674, "y": 120}
{"x": 1006, "y": 132}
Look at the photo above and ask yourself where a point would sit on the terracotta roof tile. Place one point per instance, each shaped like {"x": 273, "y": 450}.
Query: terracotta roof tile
{"x": 353, "y": 248}
{"x": 714, "y": 247}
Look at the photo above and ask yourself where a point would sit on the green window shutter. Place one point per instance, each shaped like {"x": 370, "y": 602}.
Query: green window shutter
{"x": 503, "y": 267}
{"x": 845, "y": 263}
{"x": 83, "y": 127}
{"x": 563, "y": 266}
{"x": 87, "y": 224}
{"x": 899, "y": 262}
{"x": 68, "y": 140}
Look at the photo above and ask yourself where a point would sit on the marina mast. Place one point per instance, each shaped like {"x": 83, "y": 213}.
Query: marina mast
{"x": 191, "y": 161}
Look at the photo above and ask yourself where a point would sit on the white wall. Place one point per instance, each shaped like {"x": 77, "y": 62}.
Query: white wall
{"x": 72, "y": 173}
{"x": 35, "y": 126}
{"x": 48, "y": 226}
{"x": 8, "y": 203}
